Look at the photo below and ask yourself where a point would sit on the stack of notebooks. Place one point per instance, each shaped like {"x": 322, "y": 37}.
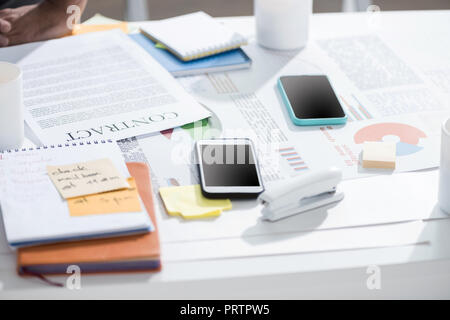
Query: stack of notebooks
{"x": 192, "y": 44}
{"x": 52, "y": 228}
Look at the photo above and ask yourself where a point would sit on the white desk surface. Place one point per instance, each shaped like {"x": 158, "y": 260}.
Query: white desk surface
{"x": 421, "y": 271}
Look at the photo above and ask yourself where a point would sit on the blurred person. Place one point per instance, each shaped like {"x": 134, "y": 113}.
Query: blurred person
{"x": 23, "y": 21}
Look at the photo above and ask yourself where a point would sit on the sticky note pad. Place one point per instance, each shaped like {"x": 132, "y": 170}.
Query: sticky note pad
{"x": 126, "y": 200}
{"x": 88, "y": 28}
{"x": 189, "y": 202}
{"x": 379, "y": 154}
{"x": 85, "y": 178}
{"x": 159, "y": 45}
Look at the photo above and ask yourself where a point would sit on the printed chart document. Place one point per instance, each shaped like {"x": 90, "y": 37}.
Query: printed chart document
{"x": 100, "y": 86}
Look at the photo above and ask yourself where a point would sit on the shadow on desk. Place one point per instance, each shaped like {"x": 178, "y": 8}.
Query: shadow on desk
{"x": 309, "y": 222}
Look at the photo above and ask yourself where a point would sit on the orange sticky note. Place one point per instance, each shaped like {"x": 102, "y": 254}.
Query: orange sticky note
{"x": 126, "y": 200}
{"x": 87, "y": 28}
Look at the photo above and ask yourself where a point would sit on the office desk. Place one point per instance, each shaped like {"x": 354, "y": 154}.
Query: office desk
{"x": 415, "y": 271}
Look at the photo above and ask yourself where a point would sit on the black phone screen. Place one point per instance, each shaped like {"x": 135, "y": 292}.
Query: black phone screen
{"x": 229, "y": 166}
{"x": 312, "y": 97}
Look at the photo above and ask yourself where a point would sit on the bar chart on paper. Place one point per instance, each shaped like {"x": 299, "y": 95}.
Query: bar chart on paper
{"x": 293, "y": 160}
{"x": 354, "y": 109}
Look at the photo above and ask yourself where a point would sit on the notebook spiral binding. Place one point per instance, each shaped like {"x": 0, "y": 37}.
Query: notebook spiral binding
{"x": 211, "y": 50}
{"x": 61, "y": 145}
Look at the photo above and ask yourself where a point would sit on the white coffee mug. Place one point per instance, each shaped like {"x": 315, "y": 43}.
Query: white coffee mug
{"x": 11, "y": 106}
{"x": 282, "y": 24}
{"x": 444, "y": 170}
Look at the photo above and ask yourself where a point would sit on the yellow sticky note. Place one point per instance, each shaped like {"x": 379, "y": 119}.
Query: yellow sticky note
{"x": 126, "y": 200}
{"x": 189, "y": 202}
{"x": 379, "y": 154}
{"x": 88, "y": 28}
{"x": 85, "y": 178}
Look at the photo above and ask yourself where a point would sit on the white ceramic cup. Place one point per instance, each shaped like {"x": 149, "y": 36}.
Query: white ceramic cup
{"x": 282, "y": 24}
{"x": 444, "y": 170}
{"x": 11, "y": 106}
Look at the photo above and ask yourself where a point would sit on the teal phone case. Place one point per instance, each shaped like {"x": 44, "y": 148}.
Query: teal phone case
{"x": 307, "y": 122}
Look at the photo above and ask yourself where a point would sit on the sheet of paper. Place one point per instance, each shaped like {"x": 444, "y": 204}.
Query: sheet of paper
{"x": 248, "y": 103}
{"x": 32, "y": 208}
{"x": 189, "y": 202}
{"x": 403, "y": 200}
{"x": 100, "y": 85}
{"x": 84, "y": 178}
{"x": 126, "y": 200}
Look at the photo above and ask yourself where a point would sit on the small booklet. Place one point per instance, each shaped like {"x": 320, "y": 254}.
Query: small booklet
{"x": 34, "y": 212}
{"x": 222, "y": 62}
{"x": 193, "y": 36}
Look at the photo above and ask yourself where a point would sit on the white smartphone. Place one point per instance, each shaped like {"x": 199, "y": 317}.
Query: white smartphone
{"x": 228, "y": 168}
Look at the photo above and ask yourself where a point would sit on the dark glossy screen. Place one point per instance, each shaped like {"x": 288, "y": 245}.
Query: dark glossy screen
{"x": 312, "y": 97}
{"x": 229, "y": 166}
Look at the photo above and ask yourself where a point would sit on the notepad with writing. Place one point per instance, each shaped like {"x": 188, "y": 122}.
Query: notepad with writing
{"x": 33, "y": 210}
{"x": 139, "y": 252}
{"x": 193, "y": 36}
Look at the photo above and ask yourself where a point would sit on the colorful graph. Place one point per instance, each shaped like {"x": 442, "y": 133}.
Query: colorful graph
{"x": 203, "y": 129}
{"x": 355, "y": 111}
{"x": 409, "y": 136}
{"x": 293, "y": 159}
{"x": 197, "y": 130}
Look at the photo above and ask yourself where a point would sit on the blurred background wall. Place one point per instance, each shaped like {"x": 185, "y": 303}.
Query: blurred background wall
{"x": 158, "y": 9}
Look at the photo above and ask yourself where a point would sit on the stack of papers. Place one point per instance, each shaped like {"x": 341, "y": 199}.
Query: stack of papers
{"x": 139, "y": 252}
{"x": 96, "y": 86}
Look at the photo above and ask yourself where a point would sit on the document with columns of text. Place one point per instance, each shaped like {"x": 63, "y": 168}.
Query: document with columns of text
{"x": 100, "y": 86}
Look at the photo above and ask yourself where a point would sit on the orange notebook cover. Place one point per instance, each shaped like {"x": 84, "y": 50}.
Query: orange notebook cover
{"x": 128, "y": 253}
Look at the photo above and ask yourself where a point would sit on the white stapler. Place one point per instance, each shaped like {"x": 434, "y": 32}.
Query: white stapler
{"x": 311, "y": 190}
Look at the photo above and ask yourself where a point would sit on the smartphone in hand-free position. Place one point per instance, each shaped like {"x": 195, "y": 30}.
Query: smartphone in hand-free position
{"x": 228, "y": 168}
{"x": 310, "y": 100}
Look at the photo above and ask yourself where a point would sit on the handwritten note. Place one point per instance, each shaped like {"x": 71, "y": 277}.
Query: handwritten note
{"x": 85, "y": 178}
{"x": 126, "y": 200}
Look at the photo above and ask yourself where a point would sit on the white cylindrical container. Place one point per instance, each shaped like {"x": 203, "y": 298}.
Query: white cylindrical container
{"x": 444, "y": 174}
{"x": 11, "y": 106}
{"x": 282, "y": 24}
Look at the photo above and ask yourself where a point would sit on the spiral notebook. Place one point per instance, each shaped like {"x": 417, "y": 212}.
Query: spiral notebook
{"x": 193, "y": 36}
{"x": 33, "y": 210}
{"x": 140, "y": 252}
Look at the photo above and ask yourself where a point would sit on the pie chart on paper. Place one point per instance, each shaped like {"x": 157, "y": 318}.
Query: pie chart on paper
{"x": 408, "y": 137}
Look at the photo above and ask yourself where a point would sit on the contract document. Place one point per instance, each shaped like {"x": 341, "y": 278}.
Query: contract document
{"x": 100, "y": 86}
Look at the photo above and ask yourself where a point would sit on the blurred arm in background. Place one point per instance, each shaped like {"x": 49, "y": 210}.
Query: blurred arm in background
{"x": 43, "y": 21}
